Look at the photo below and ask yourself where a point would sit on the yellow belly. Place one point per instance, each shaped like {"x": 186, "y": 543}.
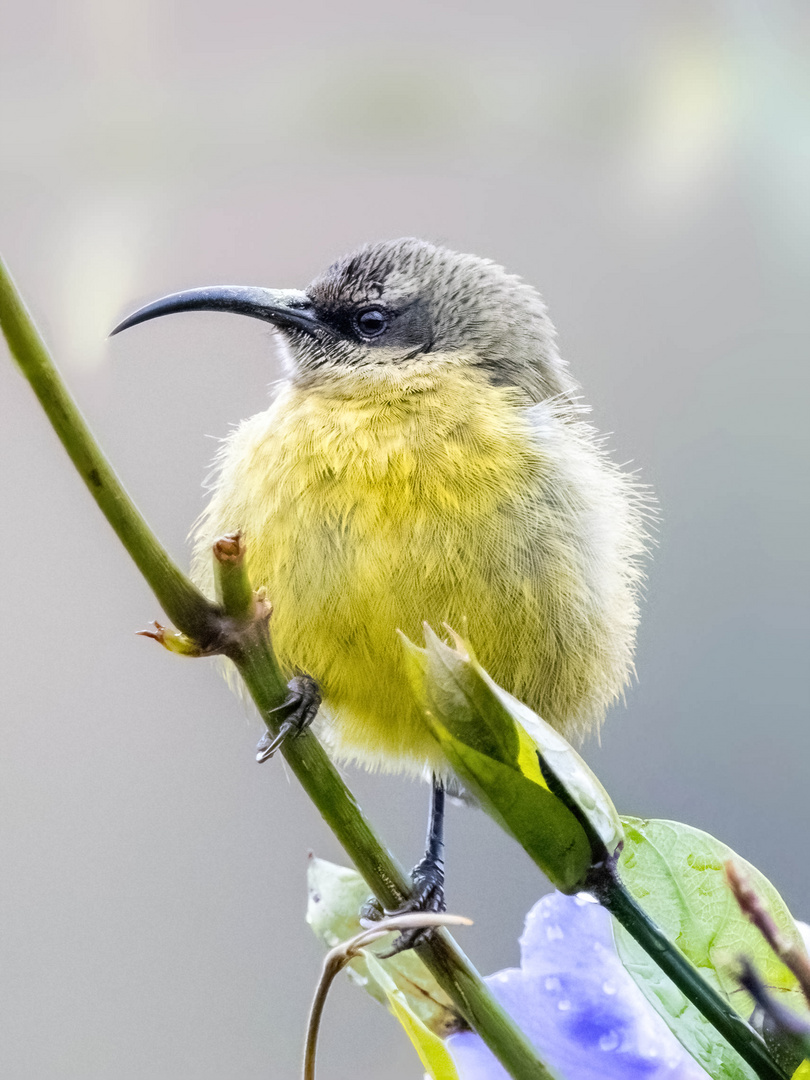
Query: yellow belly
{"x": 391, "y": 499}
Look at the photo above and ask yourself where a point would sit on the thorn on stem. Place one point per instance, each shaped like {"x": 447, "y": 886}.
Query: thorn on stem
{"x": 171, "y": 640}
{"x": 158, "y": 634}
{"x": 264, "y": 609}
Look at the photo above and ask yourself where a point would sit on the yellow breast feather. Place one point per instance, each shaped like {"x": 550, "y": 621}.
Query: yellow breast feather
{"x": 383, "y": 498}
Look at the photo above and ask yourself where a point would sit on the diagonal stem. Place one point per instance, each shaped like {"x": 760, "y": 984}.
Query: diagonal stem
{"x": 615, "y": 896}
{"x": 180, "y": 599}
{"x": 607, "y": 887}
{"x": 792, "y": 953}
{"x": 203, "y": 621}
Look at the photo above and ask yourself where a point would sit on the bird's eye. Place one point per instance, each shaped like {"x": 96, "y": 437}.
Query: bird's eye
{"x": 371, "y": 322}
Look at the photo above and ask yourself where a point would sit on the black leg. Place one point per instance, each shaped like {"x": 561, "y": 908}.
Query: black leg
{"x": 301, "y": 706}
{"x": 427, "y": 875}
{"x": 432, "y": 865}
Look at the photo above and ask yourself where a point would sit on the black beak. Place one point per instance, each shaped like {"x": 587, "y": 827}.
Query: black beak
{"x": 285, "y": 308}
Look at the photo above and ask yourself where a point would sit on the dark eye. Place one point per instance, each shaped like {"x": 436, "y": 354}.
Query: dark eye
{"x": 371, "y": 322}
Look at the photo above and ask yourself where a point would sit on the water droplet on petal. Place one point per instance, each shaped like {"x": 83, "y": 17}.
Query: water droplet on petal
{"x": 564, "y": 1005}
{"x": 554, "y": 933}
{"x": 552, "y": 983}
{"x": 609, "y": 988}
{"x": 609, "y": 1041}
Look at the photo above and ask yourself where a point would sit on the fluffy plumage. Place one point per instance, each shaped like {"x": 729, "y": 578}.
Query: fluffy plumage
{"x": 440, "y": 471}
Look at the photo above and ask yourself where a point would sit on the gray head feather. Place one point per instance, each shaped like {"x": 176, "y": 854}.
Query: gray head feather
{"x": 441, "y": 302}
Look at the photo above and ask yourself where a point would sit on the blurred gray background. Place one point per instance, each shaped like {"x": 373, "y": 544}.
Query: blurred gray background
{"x": 647, "y": 165}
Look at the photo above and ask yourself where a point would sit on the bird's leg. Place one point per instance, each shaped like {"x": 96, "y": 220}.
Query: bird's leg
{"x": 428, "y": 874}
{"x": 427, "y": 877}
{"x": 301, "y": 707}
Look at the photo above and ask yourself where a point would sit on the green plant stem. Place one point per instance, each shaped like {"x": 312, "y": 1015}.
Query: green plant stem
{"x": 615, "y": 897}
{"x": 608, "y": 888}
{"x": 202, "y": 621}
{"x": 181, "y": 600}
{"x": 234, "y": 590}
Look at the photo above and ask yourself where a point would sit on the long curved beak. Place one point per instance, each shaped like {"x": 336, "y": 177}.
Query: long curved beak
{"x": 285, "y": 308}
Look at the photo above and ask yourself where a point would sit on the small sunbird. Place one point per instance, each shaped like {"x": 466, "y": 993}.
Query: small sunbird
{"x": 426, "y": 458}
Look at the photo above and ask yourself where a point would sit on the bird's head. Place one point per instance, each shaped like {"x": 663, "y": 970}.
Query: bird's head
{"x": 396, "y": 302}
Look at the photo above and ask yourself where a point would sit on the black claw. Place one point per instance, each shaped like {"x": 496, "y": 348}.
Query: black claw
{"x": 372, "y": 910}
{"x": 301, "y": 705}
{"x": 428, "y": 896}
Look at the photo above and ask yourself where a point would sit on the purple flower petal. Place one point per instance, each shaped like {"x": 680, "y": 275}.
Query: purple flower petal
{"x": 575, "y": 1000}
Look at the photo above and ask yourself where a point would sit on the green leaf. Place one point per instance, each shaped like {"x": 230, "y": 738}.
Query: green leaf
{"x": 336, "y": 895}
{"x": 676, "y": 873}
{"x": 448, "y": 684}
{"x": 432, "y": 1052}
{"x": 497, "y": 746}
{"x": 540, "y": 823}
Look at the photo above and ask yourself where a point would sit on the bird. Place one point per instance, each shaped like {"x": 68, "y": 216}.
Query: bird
{"x": 425, "y": 458}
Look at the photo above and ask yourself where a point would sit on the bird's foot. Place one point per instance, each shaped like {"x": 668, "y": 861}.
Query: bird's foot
{"x": 301, "y": 707}
{"x": 427, "y": 896}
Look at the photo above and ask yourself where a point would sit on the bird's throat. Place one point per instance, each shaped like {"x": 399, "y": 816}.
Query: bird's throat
{"x": 429, "y": 418}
